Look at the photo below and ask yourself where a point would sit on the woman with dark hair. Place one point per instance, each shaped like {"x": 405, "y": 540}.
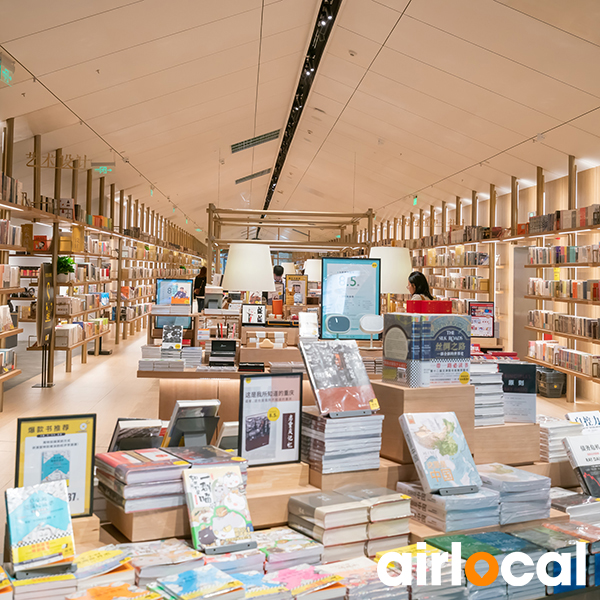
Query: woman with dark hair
{"x": 418, "y": 286}
{"x": 200, "y": 288}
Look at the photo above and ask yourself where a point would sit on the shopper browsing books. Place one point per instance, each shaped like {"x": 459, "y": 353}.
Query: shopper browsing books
{"x": 418, "y": 286}
{"x": 200, "y": 288}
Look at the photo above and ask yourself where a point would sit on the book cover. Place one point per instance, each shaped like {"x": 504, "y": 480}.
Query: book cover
{"x": 256, "y": 585}
{"x": 321, "y": 507}
{"x": 281, "y": 543}
{"x": 590, "y": 419}
{"x": 359, "y": 575}
{"x": 550, "y": 539}
{"x": 383, "y": 503}
{"x": 6, "y": 587}
{"x": 56, "y": 464}
{"x": 302, "y": 579}
{"x": 468, "y": 544}
{"x": 39, "y": 525}
{"x": 217, "y": 506}
{"x": 202, "y": 582}
{"x": 439, "y": 450}
{"x": 129, "y": 429}
{"x": 172, "y": 337}
{"x": 582, "y": 531}
{"x": 506, "y": 543}
{"x": 206, "y": 456}
{"x": 583, "y": 452}
{"x": 167, "y": 552}
{"x": 99, "y": 561}
{"x": 115, "y": 591}
{"x": 571, "y": 503}
{"x": 338, "y": 376}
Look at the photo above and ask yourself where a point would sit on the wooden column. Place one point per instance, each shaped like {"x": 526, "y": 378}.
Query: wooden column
{"x": 395, "y": 233}
{"x": 136, "y": 212}
{"x": 142, "y": 218}
{"x": 57, "y": 174}
{"x": 431, "y": 219}
{"x": 119, "y": 268}
{"x": 9, "y": 147}
{"x": 572, "y": 188}
{"x": 88, "y": 194}
{"x": 37, "y": 171}
{"x": 54, "y": 247}
{"x": 474, "y": 209}
{"x": 111, "y": 212}
{"x": 75, "y": 183}
{"x": 571, "y": 273}
{"x": 458, "y": 212}
{"x": 101, "y": 194}
{"x": 403, "y": 227}
{"x": 492, "y": 205}
{"x": 514, "y": 204}
{"x": 539, "y": 192}
{"x": 421, "y": 217}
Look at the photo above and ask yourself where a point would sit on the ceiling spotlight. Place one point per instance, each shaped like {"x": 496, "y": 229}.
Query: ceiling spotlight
{"x": 329, "y": 17}
{"x": 323, "y": 23}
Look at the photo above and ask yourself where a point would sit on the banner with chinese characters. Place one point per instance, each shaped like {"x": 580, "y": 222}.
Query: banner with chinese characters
{"x": 60, "y": 447}
{"x": 270, "y": 418}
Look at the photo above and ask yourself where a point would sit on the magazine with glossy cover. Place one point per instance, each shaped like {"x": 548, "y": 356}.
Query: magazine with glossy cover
{"x": 39, "y": 525}
{"x": 303, "y": 579}
{"x": 338, "y": 376}
{"x": 440, "y": 451}
{"x": 256, "y": 585}
{"x": 203, "y": 582}
{"x": 217, "y": 507}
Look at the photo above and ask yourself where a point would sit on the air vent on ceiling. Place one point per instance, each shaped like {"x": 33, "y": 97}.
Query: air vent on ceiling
{"x": 253, "y": 176}
{"x": 255, "y": 141}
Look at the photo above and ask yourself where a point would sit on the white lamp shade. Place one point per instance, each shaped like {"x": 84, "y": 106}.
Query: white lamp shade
{"x": 312, "y": 269}
{"x": 249, "y": 268}
{"x": 396, "y": 266}
{"x": 289, "y": 268}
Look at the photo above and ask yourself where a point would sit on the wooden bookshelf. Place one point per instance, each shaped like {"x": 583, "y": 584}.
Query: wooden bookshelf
{"x": 566, "y": 300}
{"x": 6, "y": 376}
{"x": 15, "y": 290}
{"x": 562, "y": 265}
{"x": 543, "y": 363}
{"x": 452, "y": 267}
{"x": 10, "y": 332}
{"x": 12, "y": 248}
{"x": 459, "y": 290}
{"x": 569, "y": 336}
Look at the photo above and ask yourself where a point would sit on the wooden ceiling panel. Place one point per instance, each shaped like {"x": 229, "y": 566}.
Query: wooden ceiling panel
{"x": 367, "y": 18}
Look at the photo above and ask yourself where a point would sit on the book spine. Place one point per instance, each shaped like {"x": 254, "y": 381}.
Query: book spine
{"x": 296, "y": 506}
{"x": 303, "y": 527}
{"x": 414, "y": 454}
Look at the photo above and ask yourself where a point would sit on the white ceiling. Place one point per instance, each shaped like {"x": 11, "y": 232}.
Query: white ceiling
{"x": 435, "y": 97}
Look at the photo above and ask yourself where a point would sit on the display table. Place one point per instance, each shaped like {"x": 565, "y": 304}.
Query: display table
{"x": 509, "y": 444}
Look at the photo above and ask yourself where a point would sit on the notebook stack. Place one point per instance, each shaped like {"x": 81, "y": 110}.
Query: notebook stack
{"x": 340, "y": 445}
{"x": 161, "y": 364}
{"x": 524, "y": 496}
{"x": 103, "y": 566}
{"x": 360, "y": 577}
{"x": 283, "y": 547}
{"x": 452, "y": 513}
{"x": 489, "y": 399}
{"x": 192, "y": 356}
{"x": 552, "y": 433}
{"x": 338, "y": 522}
{"x": 389, "y": 515}
{"x": 468, "y": 547}
{"x": 426, "y": 591}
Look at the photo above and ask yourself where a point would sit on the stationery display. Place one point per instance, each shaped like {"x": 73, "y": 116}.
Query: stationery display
{"x": 440, "y": 452}
{"x": 59, "y": 447}
{"x": 270, "y": 417}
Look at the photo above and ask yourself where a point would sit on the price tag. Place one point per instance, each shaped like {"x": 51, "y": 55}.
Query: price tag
{"x": 374, "y": 404}
{"x": 464, "y": 377}
{"x": 273, "y": 414}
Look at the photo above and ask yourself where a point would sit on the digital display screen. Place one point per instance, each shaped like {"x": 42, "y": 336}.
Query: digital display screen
{"x": 174, "y": 292}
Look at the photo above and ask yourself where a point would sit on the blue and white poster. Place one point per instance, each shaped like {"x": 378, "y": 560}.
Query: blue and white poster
{"x": 350, "y": 289}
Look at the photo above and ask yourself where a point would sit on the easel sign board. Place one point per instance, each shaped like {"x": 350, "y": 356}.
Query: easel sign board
{"x": 270, "y": 418}
{"x": 59, "y": 447}
{"x": 350, "y": 288}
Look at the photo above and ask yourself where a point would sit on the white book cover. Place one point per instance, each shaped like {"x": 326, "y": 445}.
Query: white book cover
{"x": 589, "y": 419}
{"x": 439, "y": 450}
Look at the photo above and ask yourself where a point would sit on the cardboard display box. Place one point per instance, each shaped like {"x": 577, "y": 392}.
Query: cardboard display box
{"x": 395, "y": 401}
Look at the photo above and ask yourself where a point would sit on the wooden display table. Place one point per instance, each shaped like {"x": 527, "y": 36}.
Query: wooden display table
{"x": 509, "y": 444}
{"x": 268, "y": 491}
{"x": 418, "y": 531}
{"x": 395, "y": 401}
{"x": 86, "y": 530}
{"x": 561, "y": 473}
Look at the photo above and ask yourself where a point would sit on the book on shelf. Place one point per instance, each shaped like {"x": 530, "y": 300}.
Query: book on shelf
{"x": 583, "y": 452}
{"x": 440, "y": 452}
{"x": 304, "y": 580}
{"x": 237, "y": 562}
{"x": 141, "y": 490}
{"x": 50, "y": 587}
{"x": 256, "y": 584}
{"x": 218, "y": 508}
{"x": 579, "y": 507}
{"x": 134, "y": 505}
{"x": 40, "y": 530}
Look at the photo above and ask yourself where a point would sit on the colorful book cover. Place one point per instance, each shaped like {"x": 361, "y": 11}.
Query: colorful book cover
{"x": 39, "y": 524}
{"x": 302, "y": 579}
{"x": 547, "y": 538}
{"x": 356, "y": 573}
{"x": 504, "y": 478}
{"x": 115, "y": 591}
{"x": 506, "y": 543}
{"x": 31, "y": 584}
{"x": 468, "y": 544}
{"x": 217, "y": 506}
{"x": 279, "y": 542}
{"x": 338, "y": 376}
{"x": 205, "y": 456}
{"x": 256, "y": 585}
{"x": 439, "y": 450}
{"x": 202, "y": 582}
{"x": 168, "y": 552}
{"x": 56, "y": 464}
{"x": 100, "y": 561}
{"x": 5, "y": 583}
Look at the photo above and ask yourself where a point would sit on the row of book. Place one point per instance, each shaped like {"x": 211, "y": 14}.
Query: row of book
{"x": 581, "y": 289}
{"x": 12, "y": 189}
{"x": 69, "y": 305}
{"x": 145, "y": 273}
{"x": 565, "y": 219}
{"x": 550, "y": 255}
{"x": 459, "y": 281}
{"x": 458, "y": 235}
{"x": 139, "y": 291}
{"x": 10, "y": 276}
{"x": 10, "y": 234}
{"x": 561, "y": 323}
{"x": 96, "y": 246}
{"x": 129, "y": 313}
{"x": 453, "y": 258}
{"x": 89, "y": 272}
{"x": 69, "y": 334}
{"x": 552, "y": 352}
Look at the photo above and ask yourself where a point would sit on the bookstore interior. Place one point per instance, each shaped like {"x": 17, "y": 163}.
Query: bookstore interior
{"x": 300, "y": 300}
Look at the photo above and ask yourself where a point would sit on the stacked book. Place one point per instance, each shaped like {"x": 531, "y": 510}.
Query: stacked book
{"x": 282, "y": 547}
{"x": 237, "y": 562}
{"x": 287, "y": 367}
{"x": 453, "y": 513}
{"x": 150, "y": 351}
{"x": 340, "y": 445}
{"x": 579, "y": 507}
{"x": 489, "y": 402}
{"x": 170, "y": 353}
{"x": 552, "y": 433}
{"x": 353, "y": 521}
{"x": 524, "y": 496}
{"x": 161, "y": 364}
{"x": 192, "y": 356}
{"x": 425, "y": 591}
{"x": 373, "y": 365}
